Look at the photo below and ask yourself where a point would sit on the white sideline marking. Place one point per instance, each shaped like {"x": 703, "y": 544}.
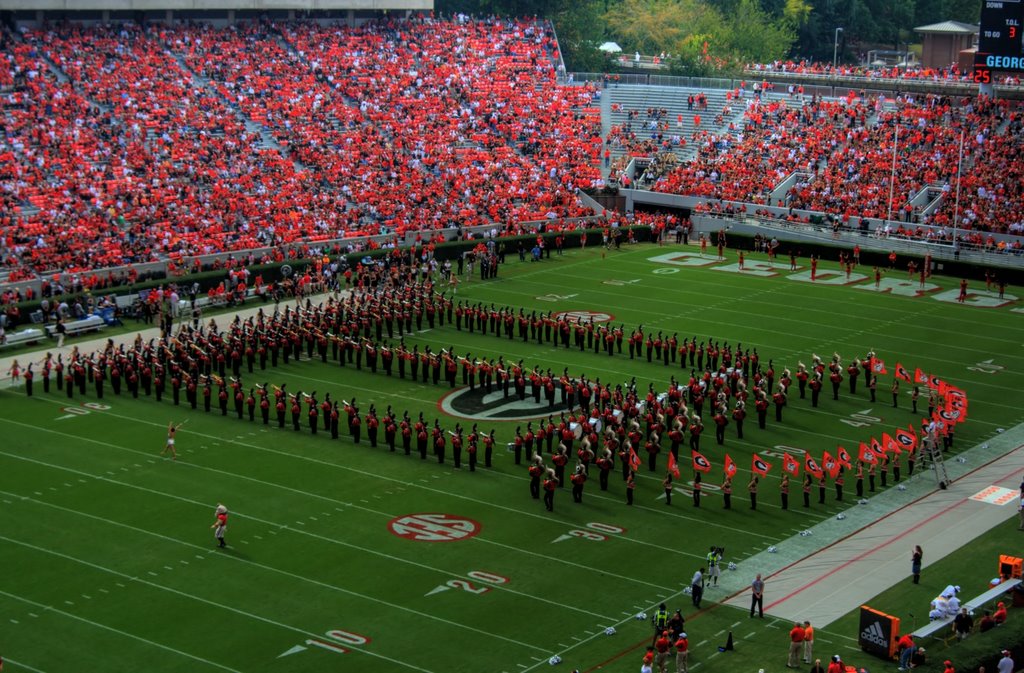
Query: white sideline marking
{"x": 119, "y": 631}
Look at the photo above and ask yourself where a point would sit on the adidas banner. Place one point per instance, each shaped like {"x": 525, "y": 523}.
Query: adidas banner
{"x": 878, "y": 632}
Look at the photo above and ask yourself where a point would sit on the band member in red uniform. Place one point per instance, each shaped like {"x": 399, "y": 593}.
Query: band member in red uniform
{"x": 222, "y": 397}
{"x": 390, "y": 429}
{"x": 518, "y": 443}
{"x": 488, "y": 448}
{"x": 720, "y": 422}
{"x": 560, "y": 460}
{"x": 280, "y": 411}
{"x": 457, "y": 446}
{"x": 653, "y": 448}
{"x": 761, "y": 406}
{"x": 579, "y": 478}
{"x": 536, "y": 471}
{"x": 780, "y": 401}
{"x": 836, "y": 378}
{"x": 439, "y": 442}
{"x": 604, "y": 464}
{"x": 549, "y": 490}
{"x": 696, "y": 428}
{"x": 738, "y": 414}
{"x": 472, "y": 446}
{"x": 372, "y": 423}
{"x": 296, "y": 411}
{"x": 405, "y": 427}
{"x": 312, "y": 413}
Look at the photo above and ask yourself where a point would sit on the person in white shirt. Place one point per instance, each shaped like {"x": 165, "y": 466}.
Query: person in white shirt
{"x": 1005, "y": 664}
{"x": 697, "y": 587}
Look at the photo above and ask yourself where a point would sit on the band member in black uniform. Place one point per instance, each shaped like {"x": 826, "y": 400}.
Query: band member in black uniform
{"x": 264, "y": 405}
{"x": 457, "y": 446}
{"x": 390, "y": 429}
{"x": 296, "y": 411}
{"x": 472, "y": 447}
{"x": 488, "y": 448}
{"x": 439, "y": 442}
{"x": 421, "y": 438}
{"x": 372, "y": 423}
{"x": 406, "y": 428}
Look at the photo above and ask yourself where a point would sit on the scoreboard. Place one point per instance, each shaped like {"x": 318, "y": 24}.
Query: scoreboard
{"x": 1001, "y": 42}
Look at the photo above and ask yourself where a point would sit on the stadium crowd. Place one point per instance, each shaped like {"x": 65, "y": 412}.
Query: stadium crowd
{"x": 126, "y": 144}
{"x": 414, "y": 125}
{"x": 846, "y": 152}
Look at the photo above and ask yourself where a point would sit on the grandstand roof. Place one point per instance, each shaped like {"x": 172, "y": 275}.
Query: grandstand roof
{"x": 949, "y": 28}
{"x": 206, "y": 5}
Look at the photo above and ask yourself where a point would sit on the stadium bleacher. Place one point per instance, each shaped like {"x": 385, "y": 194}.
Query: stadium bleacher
{"x": 127, "y": 144}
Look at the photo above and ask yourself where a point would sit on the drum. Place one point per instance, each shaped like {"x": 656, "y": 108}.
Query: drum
{"x": 576, "y": 429}
{"x": 596, "y": 424}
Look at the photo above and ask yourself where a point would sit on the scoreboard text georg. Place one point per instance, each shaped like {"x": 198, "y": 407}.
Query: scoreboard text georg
{"x": 1001, "y": 43}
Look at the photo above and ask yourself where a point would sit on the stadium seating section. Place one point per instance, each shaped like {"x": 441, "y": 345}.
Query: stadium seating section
{"x": 127, "y": 144}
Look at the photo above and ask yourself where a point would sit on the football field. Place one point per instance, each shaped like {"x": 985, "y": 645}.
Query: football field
{"x": 343, "y": 557}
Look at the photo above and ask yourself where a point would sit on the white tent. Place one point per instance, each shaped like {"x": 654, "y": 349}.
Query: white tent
{"x": 610, "y": 47}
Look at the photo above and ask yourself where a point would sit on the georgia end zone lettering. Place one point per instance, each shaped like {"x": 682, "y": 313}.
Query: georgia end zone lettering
{"x": 896, "y": 283}
{"x": 479, "y": 405}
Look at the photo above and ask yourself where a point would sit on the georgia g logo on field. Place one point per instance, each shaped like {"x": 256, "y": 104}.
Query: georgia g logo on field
{"x": 586, "y": 316}
{"x": 478, "y": 405}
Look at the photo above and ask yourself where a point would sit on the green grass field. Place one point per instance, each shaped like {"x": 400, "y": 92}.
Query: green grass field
{"x": 108, "y": 561}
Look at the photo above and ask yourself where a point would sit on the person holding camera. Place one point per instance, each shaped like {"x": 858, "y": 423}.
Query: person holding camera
{"x": 714, "y": 564}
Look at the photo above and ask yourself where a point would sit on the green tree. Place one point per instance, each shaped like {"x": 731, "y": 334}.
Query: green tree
{"x": 581, "y": 29}
{"x": 968, "y": 11}
{"x": 930, "y": 11}
{"x": 797, "y": 12}
{"x": 754, "y": 36}
{"x": 647, "y": 26}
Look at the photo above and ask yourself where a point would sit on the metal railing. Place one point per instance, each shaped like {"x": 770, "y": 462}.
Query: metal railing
{"x": 965, "y": 84}
{"x": 873, "y": 240}
{"x": 658, "y": 80}
{"x": 822, "y": 85}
